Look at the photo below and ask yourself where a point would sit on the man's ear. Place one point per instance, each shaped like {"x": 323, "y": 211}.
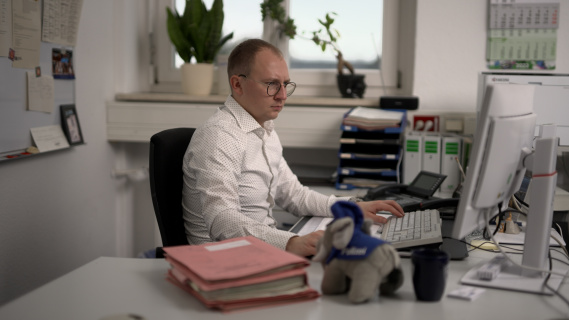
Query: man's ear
{"x": 235, "y": 84}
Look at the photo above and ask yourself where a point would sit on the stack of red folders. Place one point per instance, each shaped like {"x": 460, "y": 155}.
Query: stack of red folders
{"x": 239, "y": 273}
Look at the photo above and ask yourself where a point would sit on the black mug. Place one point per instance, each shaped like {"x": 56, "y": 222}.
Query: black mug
{"x": 429, "y": 273}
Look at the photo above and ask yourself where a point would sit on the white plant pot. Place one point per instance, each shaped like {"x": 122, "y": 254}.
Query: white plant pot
{"x": 197, "y": 78}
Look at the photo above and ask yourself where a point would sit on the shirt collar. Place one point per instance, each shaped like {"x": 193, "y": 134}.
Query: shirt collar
{"x": 245, "y": 120}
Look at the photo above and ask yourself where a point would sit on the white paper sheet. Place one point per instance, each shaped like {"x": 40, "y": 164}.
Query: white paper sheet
{"x": 26, "y": 33}
{"x": 49, "y": 138}
{"x": 61, "y": 20}
{"x": 5, "y": 27}
{"x": 40, "y": 93}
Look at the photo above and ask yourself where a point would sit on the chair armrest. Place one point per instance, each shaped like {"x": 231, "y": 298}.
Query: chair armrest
{"x": 159, "y": 253}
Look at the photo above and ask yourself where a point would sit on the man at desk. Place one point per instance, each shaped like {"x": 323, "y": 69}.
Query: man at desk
{"x": 234, "y": 171}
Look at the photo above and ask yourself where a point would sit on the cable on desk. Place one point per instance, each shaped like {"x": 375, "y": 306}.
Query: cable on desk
{"x": 559, "y": 260}
{"x": 545, "y": 283}
{"x": 549, "y": 272}
{"x": 515, "y": 263}
{"x": 479, "y": 247}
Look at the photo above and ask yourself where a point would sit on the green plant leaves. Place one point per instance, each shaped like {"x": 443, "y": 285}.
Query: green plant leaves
{"x": 198, "y": 29}
{"x": 177, "y": 36}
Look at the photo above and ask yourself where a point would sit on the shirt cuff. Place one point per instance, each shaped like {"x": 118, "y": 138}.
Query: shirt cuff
{"x": 355, "y": 199}
{"x": 281, "y": 238}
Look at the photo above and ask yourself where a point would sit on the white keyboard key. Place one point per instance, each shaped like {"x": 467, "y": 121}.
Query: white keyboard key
{"x": 414, "y": 229}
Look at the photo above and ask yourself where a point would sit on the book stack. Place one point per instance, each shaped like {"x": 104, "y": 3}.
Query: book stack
{"x": 239, "y": 273}
{"x": 373, "y": 118}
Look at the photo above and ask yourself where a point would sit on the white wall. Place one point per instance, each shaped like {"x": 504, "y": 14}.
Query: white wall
{"x": 57, "y": 211}
{"x": 451, "y": 50}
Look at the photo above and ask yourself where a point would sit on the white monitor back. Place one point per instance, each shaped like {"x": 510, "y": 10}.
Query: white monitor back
{"x": 550, "y": 102}
{"x": 495, "y": 171}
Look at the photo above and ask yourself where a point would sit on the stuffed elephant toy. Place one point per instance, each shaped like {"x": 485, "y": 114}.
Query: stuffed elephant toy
{"x": 354, "y": 260}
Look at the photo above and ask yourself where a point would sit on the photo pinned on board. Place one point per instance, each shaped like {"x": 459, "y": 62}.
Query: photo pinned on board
{"x": 62, "y": 64}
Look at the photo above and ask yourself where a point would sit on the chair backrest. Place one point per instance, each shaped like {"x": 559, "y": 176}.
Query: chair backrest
{"x": 167, "y": 149}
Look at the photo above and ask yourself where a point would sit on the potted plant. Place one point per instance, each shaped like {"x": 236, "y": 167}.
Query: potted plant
{"x": 197, "y": 34}
{"x": 350, "y": 85}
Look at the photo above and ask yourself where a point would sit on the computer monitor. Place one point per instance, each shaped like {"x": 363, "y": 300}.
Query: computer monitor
{"x": 549, "y": 101}
{"x": 503, "y": 148}
{"x": 504, "y": 134}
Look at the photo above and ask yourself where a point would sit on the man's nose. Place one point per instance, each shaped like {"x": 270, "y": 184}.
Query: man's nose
{"x": 281, "y": 95}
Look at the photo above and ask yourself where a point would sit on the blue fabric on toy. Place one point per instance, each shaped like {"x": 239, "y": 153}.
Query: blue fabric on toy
{"x": 361, "y": 244}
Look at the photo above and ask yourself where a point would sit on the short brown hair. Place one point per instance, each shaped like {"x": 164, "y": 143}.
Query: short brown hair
{"x": 242, "y": 56}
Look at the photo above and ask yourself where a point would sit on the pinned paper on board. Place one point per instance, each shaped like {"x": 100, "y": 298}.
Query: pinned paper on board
{"x": 5, "y": 27}
{"x": 40, "y": 92}
{"x": 26, "y": 33}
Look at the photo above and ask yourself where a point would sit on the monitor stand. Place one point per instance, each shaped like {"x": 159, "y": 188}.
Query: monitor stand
{"x": 538, "y": 229}
{"x": 510, "y": 278}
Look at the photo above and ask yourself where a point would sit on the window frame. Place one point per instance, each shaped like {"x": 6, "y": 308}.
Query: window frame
{"x": 310, "y": 82}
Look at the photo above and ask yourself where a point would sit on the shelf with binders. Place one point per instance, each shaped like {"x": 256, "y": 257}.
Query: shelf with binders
{"x": 371, "y": 173}
{"x": 368, "y": 158}
{"x": 370, "y": 168}
{"x": 366, "y": 174}
{"x": 364, "y": 156}
{"x": 365, "y": 181}
{"x": 371, "y": 149}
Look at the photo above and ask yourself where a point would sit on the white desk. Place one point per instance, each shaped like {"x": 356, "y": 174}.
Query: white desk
{"x": 108, "y": 286}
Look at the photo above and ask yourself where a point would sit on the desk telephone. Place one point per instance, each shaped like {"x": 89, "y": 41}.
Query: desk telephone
{"x": 418, "y": 195}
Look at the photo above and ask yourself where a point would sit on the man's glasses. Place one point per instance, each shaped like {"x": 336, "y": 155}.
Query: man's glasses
{"x": 274, "y": 87}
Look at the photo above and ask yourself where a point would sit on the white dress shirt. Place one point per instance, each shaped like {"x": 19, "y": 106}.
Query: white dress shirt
{"x": 235, "y": 174}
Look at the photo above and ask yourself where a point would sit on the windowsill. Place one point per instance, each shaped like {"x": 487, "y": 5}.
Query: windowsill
{"x": 219, "y": 99}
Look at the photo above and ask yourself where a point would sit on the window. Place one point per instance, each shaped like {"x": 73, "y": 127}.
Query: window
{"x": 364, "y": 30}
{"x": 361, "y": 46}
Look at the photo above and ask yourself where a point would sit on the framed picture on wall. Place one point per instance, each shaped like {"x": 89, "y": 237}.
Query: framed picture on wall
{"x": 70, "y": 124}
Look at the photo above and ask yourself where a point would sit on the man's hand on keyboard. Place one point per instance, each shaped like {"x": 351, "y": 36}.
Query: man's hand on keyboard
{"x": 370, "y": 208}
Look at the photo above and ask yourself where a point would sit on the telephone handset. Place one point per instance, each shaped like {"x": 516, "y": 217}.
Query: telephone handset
{"x": 423, "y": 186}
{"x": 378, "y": 192}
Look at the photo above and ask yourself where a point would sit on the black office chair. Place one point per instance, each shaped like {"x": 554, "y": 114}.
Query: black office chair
{"x": 167, "y": 149}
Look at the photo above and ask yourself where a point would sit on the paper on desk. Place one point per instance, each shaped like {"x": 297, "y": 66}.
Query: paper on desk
{"x": 506, "y": 238}
{"x": 49, "y": 138}
{"x": 376, "y": 114}
{"x": 320, "y": 223}
{"x": 372, "y": 118}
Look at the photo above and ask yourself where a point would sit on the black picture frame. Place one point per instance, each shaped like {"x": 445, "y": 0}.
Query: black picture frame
{"x": 70, "y": 124}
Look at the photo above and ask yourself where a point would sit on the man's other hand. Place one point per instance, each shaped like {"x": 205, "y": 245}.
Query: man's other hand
{"x": 304, "y": 245}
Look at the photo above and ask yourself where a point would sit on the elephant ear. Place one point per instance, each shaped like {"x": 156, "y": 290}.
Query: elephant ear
{"x": 366, "y": 226}
{"x": 342, "y": 231}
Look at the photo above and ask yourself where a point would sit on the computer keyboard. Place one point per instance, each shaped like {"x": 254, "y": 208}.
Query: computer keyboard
{"x": 414, "y": 229}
